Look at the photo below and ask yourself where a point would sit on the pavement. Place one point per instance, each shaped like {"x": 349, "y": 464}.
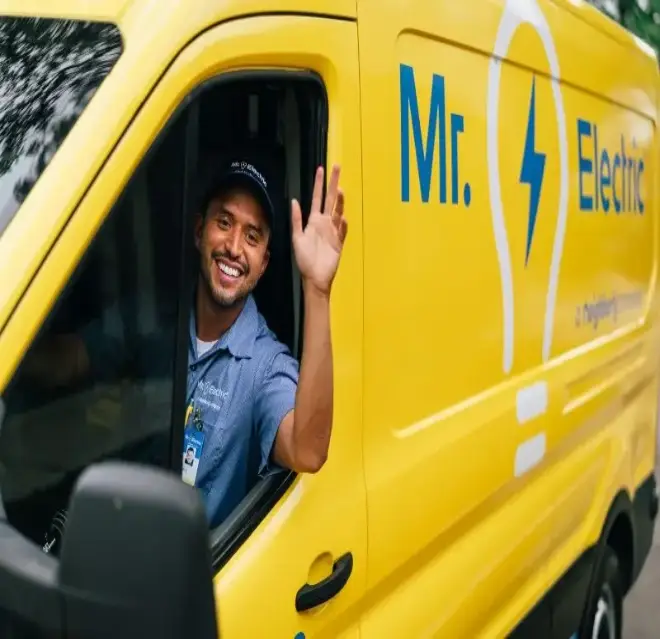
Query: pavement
{"x": 641, "y": 612}
{"x": 641, "y": 609}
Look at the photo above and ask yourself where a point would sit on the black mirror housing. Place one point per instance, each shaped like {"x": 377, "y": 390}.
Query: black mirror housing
{"x": 135, "y": 558}
{"x": 135, "y": 562}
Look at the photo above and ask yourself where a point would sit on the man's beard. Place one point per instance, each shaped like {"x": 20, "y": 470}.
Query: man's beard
{"x": 221, "y": 298}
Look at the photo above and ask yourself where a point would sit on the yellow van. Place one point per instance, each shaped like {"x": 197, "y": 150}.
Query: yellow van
{"x": 494, "y": 319}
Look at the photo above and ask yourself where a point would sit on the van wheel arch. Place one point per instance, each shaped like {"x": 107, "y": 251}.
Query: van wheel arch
{"x": 617, "y": 535}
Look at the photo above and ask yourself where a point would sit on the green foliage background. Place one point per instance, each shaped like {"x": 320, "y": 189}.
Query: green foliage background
{"x": 642, "y": 17}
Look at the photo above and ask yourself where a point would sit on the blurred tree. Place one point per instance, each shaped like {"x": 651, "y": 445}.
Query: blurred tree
{"x": 51, "y": 69}
{"x": 641, "y": 17}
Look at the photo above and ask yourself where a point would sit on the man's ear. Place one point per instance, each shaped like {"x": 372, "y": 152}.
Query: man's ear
{"x": 199, "y": 227}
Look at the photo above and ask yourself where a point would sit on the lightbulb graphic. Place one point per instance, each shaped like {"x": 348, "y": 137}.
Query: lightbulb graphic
{"x": 531, "y": 400}
{"x": 517, "y": 13}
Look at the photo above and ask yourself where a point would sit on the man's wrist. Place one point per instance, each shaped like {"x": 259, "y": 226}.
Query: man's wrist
{"x": 314, "y": 292}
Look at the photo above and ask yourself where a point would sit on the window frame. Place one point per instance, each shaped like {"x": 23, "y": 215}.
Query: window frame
{"x": 226, "y": 539}
{"x": 188, "y": 108}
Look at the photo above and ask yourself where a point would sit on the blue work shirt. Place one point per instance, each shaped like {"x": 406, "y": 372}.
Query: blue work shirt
{"x": 243, "y": 386}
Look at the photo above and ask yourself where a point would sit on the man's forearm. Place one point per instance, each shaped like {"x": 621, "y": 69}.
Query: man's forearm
{"x": 314, "y": 396}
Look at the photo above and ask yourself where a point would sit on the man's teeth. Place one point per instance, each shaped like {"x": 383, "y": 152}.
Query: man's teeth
{"x": 228, "y": 270}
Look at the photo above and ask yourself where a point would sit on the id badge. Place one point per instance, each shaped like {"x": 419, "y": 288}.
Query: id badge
{"x": 193, "y": 443}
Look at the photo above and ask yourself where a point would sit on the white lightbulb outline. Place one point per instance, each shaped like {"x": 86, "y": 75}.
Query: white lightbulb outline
{"x": 516, "y": 13}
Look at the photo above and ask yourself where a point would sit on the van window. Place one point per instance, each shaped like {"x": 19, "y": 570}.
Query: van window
{"x": 51, "y": 68}
{"x": 280, "y": 118}
{"x": 11, "y": 627}
{"x": 82, "y": 394}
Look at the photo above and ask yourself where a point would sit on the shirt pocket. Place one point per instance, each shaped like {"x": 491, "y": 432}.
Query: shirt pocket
{"x": 215, "y": 424}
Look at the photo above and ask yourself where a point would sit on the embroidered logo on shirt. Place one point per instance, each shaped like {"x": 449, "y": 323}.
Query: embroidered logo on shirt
{"x": 210, "y": 395}
{"x": 207, "y": 388}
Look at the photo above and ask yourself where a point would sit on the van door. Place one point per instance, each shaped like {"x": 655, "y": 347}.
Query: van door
{"x": 454, "y": 432}
{"x": 291, "y": 559}
{"x": 317, "y": 530}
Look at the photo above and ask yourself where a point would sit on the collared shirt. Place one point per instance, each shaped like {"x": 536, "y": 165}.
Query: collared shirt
{"x": 243, "y": 386}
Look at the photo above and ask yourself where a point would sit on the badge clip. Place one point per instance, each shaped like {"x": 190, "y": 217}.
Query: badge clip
{"x": 197, "y": 419}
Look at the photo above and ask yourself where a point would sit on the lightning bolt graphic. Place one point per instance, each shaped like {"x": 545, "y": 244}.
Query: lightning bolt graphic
{"x": 531, "y": 172}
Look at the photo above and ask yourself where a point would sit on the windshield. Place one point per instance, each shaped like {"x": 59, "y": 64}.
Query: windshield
{"x": 49, "y": 70}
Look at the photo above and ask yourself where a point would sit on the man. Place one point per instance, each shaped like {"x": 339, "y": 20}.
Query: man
{"x": 249, "y": 407}
{"x": 247, "y": 400}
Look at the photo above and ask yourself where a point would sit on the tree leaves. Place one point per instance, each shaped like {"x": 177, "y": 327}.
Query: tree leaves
{"x": 641, "y": 17}
{"x": 49, "y": 70}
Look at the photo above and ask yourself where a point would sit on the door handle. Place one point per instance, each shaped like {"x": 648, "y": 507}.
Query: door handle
{"x": 310, "y": 596}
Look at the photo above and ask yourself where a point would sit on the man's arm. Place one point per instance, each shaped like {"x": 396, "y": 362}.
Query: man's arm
{"x": 303, "y": 438}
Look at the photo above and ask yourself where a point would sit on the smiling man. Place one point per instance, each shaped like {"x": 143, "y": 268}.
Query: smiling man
{"x": 250, "y": 407}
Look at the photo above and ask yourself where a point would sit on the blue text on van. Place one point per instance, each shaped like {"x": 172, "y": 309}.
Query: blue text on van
{"x": 610, "y": 179}
{"x": 437, "y": 129}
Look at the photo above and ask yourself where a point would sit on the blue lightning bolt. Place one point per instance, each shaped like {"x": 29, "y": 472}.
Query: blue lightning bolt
{"x": 531, "y": 172}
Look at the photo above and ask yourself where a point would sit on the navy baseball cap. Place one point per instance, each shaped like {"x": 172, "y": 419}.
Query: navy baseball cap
{"x": 241, "y": 173}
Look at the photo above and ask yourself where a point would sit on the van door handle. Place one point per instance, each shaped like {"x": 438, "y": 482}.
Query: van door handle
{"x": 310, "y": 596}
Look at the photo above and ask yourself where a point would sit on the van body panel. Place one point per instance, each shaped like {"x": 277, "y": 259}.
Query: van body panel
{"x": 512, "y": 332}
{"x": 76, "y": 9}
{"x": 113, "y": 9}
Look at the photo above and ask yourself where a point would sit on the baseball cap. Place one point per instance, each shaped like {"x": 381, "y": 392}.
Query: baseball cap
{"x": 241, "y": 172}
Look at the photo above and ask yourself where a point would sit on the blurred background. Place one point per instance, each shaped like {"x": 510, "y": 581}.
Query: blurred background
{"x": 642, "y": 17}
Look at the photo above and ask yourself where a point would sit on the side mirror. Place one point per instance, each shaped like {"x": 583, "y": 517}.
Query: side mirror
{"x": 135, "y": 562}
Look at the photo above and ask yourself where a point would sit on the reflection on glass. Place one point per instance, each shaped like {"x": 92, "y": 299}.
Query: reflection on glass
{"x": 49, "y": 71}
{"x": 97, "y": 381}
{"x": 13, "y": 627}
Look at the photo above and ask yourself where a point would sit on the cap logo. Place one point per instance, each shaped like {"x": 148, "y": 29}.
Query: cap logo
{"x": 248, "y": 169}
